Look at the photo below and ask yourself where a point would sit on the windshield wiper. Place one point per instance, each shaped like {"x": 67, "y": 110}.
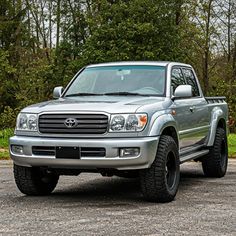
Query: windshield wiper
{"x": 126, "y": 94}
{"x": 83, "y": 94}
{"x": 107, "y": 94}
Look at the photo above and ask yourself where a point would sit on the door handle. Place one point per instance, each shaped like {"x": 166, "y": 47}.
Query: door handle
{"x": 192, "y": 109}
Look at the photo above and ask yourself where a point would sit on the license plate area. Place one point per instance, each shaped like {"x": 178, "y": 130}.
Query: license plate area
{"x": 68, "y": 152}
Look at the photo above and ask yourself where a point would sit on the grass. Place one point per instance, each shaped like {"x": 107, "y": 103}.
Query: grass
{"x": 4, "y": 137}
{"x": 7, "y": 133}
{"x": 4, "y": 140}
{"x": 232, "y": 145}
{"x": 4, "y": 155}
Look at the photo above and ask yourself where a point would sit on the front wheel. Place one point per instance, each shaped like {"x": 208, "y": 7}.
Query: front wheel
{"x": 160, "y": 182}
{"x": 214, "y": 164}
{"x": 34, "y": 181}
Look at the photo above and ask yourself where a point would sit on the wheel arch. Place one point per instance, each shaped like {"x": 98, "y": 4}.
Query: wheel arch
{"x": 222, "y": 124}
{"x": 171, "y": 131}
{"x": 165, "y": 125}
{"x": 218, "y": 120}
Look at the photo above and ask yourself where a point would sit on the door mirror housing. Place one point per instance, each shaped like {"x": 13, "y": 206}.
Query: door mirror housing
{"x": 57, "y": 92}
{"x": 183, "y": 91}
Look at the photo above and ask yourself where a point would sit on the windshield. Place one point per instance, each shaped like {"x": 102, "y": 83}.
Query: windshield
{"x": 119, "y": 80}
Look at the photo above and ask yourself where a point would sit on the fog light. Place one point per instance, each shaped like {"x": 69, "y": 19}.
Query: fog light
{"x": 129, "y": 152}
{"x": 17, "y": 149}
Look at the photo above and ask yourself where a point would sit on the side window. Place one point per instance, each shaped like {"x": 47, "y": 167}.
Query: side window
{"x": 177, "y": 79}
{"x": 191, "y": 80}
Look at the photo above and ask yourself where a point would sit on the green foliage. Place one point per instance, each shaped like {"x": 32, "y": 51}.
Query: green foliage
{"x": 7, "y": 85}
{"x": 32, "y": 63}
{"x": 129, "y": 31}
{"x": 4, "y": 137}
{"x": 4, "y": 142}
{"x": 223, "y": 85}
{"x": 8, "y": 117}
{"x": 4, "y": 154}
{"x": 232, "y": 145}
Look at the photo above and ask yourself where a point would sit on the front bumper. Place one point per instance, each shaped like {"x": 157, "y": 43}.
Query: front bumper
{"x": 147, "y": 145}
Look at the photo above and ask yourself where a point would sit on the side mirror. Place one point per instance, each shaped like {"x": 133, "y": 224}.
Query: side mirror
{"x": 183, "y": 91}
{"x": 57, "y": 92}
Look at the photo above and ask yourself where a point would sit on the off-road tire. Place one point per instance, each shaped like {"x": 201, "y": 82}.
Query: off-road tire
{"x": 33, "y": 181}
{"x": 155, "y": 183}
{"x": 214, "y": 164}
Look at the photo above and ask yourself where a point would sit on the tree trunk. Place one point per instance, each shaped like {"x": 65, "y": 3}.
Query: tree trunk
{"x": 58, "y": 20}
{"x": 229, "y": 30}
{"x": 207, "y": 49}
{"x": 50, "y": 25}
{"x": 178, "y": 5}
{"x": 76, "y": 26}
{"x": 234, "y": 61}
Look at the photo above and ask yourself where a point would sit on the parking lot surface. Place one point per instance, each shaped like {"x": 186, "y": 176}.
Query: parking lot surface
{"x": 90, "y": 204}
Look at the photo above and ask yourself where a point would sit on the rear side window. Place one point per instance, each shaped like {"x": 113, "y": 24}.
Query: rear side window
{"x": 177, "y": 79}
{"x": 191, "y": 80}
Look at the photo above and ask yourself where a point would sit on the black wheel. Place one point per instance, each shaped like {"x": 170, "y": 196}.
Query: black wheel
{"x": 34, "y": 181}
{"x": 216, "y": 161}
{"x": 160, "y": 182}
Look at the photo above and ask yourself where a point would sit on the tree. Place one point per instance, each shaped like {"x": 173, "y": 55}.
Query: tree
{"x": 128, "y": 30}
{"x": 43, "y": 43}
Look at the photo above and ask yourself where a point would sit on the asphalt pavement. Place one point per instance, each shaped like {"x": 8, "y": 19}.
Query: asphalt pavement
{"x": 90, "y": 204}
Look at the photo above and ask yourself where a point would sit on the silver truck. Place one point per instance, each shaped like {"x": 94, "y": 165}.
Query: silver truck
{"x": 129, "y": 119}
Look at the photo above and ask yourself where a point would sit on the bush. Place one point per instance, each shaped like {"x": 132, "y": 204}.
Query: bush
{"x": 232, "y": 145}
{"x": 4, "y": 137}
{"x": 8, "y": 118}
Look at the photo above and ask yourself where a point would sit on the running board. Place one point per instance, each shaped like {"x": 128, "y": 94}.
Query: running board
{"x": 193, "y": 156}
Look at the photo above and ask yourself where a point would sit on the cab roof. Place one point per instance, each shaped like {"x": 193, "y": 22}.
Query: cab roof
{"x": 150, "y": 63}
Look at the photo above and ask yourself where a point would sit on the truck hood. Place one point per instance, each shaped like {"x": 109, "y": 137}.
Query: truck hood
{"x": 109, "y": 104}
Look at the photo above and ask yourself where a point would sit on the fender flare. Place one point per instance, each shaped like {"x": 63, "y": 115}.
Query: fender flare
{"x": 216, "y": 115}
{"x": 162, "y": 122}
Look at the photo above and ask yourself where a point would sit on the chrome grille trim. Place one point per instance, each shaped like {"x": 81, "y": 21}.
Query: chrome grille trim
{"x": 87, "y": 124}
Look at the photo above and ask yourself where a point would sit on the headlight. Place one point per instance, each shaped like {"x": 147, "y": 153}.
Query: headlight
{"x": 27, "y": 122}
{"x": 128, "y": 122}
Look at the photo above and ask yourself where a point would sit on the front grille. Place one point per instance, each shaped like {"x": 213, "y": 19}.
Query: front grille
{"x": 85, "y": 123}
{"x": 84, "y": 151}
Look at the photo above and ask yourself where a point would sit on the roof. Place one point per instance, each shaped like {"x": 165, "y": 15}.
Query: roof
{"x": 128, "y": 63}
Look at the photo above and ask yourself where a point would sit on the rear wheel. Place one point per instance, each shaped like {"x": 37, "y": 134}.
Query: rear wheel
{"x": 160, "y": 182}
{"x": 34, "y": 181}
{"x": 216, "y": 161}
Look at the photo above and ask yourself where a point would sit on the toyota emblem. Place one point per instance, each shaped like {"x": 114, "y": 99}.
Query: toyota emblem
{"x": 71, "y": 122}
